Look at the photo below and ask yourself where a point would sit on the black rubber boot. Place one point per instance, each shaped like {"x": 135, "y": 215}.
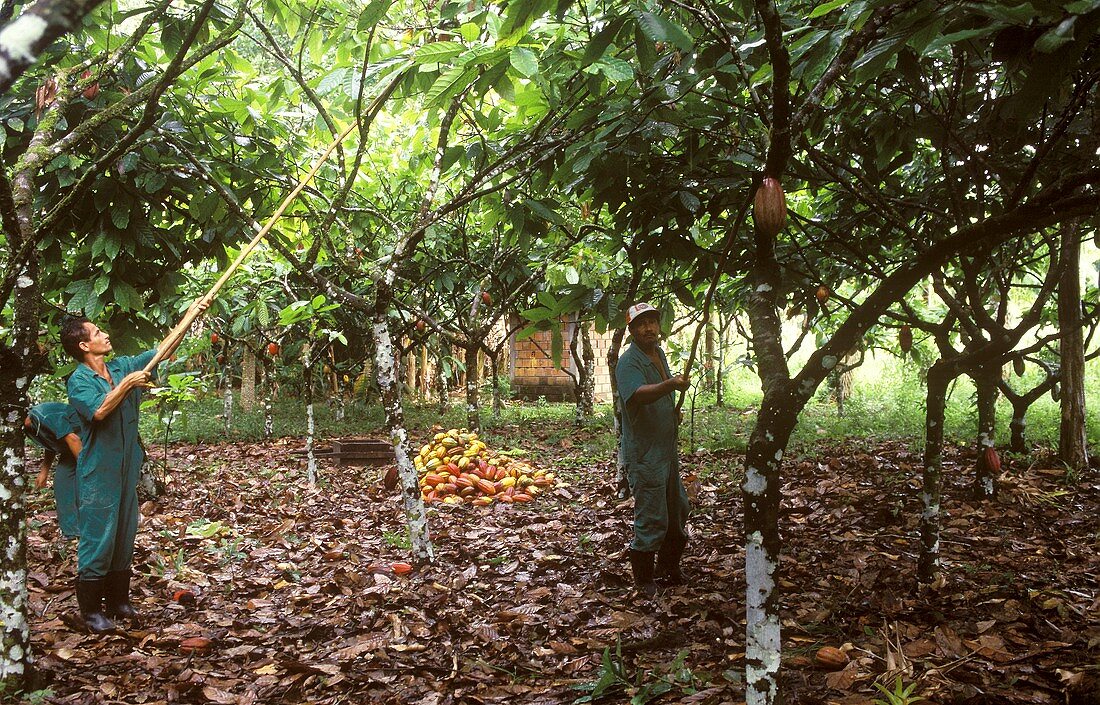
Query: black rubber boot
{"x": 641, "y": 562}
{"x": 668, "y": 561}
{"x": 89, "y": 596}
{"x": 117, "y": 595}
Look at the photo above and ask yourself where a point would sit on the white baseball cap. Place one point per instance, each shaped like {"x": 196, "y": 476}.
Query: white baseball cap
{"x": 638, "y": 310}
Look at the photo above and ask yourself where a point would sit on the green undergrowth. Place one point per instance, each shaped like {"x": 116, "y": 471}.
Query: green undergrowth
{"x": 881, "y": 408}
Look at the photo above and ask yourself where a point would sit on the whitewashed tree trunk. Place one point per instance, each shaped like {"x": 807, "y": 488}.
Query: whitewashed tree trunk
{"x": 441, "y": 387}
{"x": 227, "y": 399}
{"x": 307, "y": 390}
{"x": 388, "y": 383}
{"x": 248, "y": 380}
{"x": 269, "y": 402}
{"x": 15, "y": 381}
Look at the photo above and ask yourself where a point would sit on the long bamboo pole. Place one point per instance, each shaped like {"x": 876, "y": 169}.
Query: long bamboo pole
{"x": 177, "y": 333}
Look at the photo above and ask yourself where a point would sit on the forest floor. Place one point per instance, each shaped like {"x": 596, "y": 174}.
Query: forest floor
{"x": 296, "y": 599}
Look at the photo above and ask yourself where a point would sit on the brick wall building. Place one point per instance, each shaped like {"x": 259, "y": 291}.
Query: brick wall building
{"x": 533, "y": 374}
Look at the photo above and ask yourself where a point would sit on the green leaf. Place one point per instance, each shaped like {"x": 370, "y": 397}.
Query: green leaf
{"x": 524, "y": 61}
{"x": 120, "y": 215}
{"x": 1057, "y": 37}
{"x": 126, "y": 296}
{"x": 372, "y": 14}
{"x": 1083, "y": 7}
{"x": 616, "y": 70}
{"x": 331, "y": 82}
{"x": 825, "y": 8}
{"x": 437, "y": 52}
{"x": 599, "y": 43}
{"x": 449, "y": 84}
{"x": 659, "y": 29}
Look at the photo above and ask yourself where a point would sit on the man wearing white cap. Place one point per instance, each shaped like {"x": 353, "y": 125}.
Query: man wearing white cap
{"x": 646, "y": 390}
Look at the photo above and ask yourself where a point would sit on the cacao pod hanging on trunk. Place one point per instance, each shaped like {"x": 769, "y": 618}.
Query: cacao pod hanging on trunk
{"x": 1019, "y": 366}
{"x": 992, "y": 460}
{"x": 769, "y": 207}
{"x": 905, "y": 339}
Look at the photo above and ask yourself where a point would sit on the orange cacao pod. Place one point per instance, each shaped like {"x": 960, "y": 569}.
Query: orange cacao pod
{"x": 769, "y": 207}
{"x": 830, "y": 658}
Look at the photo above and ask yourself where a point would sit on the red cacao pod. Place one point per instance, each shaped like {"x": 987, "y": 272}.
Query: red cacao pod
{"x": 905, "y": 339}
{"x": 769, "y": 207}
{"x": 822, "y": 294}
{"x": 389, "y": 481}
{"x": 272, "y": 349}
{"x": 486, "y": 298}
{"x": 92, "y": 89}
{"x": 992, "y": 460}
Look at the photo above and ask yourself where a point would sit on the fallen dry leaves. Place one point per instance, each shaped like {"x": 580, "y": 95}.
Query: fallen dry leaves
{"x": 301, "y": 594}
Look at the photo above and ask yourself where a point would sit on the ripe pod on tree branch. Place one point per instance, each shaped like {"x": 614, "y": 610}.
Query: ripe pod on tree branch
{"x": 769, "y": 207}
{"x": 905, "y": 339}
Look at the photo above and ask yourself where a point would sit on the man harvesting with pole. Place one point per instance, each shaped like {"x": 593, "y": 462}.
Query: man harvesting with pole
{"x": 106, "y": 394}
{"x": 646, "y": 389}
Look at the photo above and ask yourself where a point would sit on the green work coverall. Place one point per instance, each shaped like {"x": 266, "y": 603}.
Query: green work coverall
{"x": 108, "y": 469}
{"x": 50, "y": 423}
{"x": 649, "y": 449}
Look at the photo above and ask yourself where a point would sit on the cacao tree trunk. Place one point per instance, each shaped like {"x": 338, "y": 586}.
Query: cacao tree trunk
{"x": 441, "y": 387}
{"x": 248, "y": 380}
{"x": 587, "y": 371}
{"x": 498, "y": 402}
{"x": 425, "y": 373}
{"x": 386, "y": 375}
{"x": 307, "y": 392}
{"x": 227, "y": 397}
{"x": 269, "y": 401}
{"x": 844, "y": 380}
{"x": 928, "y": 562}
{"x": 708, "y": 360}
{"x": 1072, "y": 436}
{"x": 17, "y": 365}
{"x": 986, "y": 379}
{"x": 24, "y": 37}
{"x": 622, "y": 487}
{"x": 473, "y": 418}
{"x": 761, "y": 490}
{"x": 1018, "y": 427}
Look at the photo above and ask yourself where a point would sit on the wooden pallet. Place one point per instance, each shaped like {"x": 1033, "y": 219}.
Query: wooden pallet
{"x": 356, "y": 451}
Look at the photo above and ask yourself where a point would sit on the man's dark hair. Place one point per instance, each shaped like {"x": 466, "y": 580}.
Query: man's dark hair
{"x": 73, "y": 333}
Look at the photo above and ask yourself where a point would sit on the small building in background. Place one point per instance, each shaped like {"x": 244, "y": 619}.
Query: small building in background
{"x": 533, "y": 374}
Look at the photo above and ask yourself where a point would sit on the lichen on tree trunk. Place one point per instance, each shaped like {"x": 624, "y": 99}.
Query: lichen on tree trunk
{"x": 928, "y": 562}
{"x": 985, "y": 382}
{"x": 386, "y": 376}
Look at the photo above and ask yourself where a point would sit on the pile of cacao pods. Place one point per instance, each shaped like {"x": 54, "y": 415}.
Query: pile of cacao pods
{"x": 457, "y": 467}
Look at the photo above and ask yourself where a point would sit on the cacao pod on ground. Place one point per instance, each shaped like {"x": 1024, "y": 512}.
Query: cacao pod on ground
{"x": 830, "y": 658}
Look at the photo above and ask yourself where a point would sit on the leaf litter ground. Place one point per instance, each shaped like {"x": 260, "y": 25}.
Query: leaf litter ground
{"x": 296, "y": 599}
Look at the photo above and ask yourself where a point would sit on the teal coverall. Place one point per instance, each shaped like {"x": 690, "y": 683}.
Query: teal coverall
{"x": 650, "y": 452}
{"x": 108, "y": 469}
{"x": 50, "y": 423}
